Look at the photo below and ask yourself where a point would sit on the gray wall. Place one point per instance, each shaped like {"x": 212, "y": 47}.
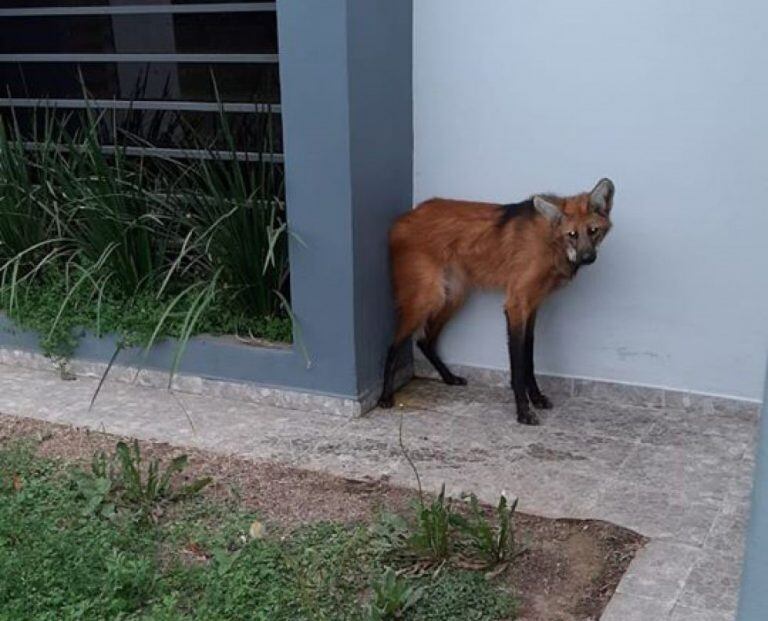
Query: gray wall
{"x": 347, "y": 107}
{"x": 381, "y": 149}
{"x": 667, "y": 98}
{"x": 316, "y": 134}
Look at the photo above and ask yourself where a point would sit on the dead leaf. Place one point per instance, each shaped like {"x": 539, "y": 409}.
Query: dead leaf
{"x": 256, "y": 531}
{"x": 196, "y": 551}
{"x": 17, "y": 482}
{"x": 497, "y": 572}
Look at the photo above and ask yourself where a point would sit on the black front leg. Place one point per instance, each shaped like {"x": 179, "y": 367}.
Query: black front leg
{"x": 538, "y": 399}
{"x": 516, "y": 333}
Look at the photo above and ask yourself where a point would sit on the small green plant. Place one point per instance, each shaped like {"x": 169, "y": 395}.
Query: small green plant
{"x": 122, "y": 482}
{"x": 433, "y": 535}
{"x": 129, "y": 581}
{"x": 495, "y": 543}
{"x": 147, "y": 491}
{"x": 96, "y": 487}
{"x": 441, "y": 529}
{"x": 96, "y": 492}
{"x": 433, "y": 532}
{"x": 393, "y": 596}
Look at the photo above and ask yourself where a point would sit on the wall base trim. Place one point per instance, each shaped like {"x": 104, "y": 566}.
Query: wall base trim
{"x": 338, "y": 405}
{"x": 233, "y": 390}
{"x": 616, "y": 392}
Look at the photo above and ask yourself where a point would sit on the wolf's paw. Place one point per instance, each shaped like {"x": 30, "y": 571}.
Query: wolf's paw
{"x": 455, "y": 380}
{"x": 386, "y": 402}
{"x": 540, "y": 401}
{"x": 527, "y": 417}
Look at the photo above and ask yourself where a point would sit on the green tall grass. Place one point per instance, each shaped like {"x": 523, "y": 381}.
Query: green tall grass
{"x": 116, "y": 215}
{"x": 27, "y": 205}
{"x": 110, "y": 226}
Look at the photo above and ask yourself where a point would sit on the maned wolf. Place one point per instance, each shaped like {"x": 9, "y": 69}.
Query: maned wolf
{"x": 443, "y": 248}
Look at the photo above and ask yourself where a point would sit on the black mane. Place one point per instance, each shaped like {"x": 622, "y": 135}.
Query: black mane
{"x": 524, "y": 209}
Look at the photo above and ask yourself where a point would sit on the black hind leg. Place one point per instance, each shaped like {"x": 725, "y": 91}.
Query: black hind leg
{"x": 427, "y": 347}
{"x": 432, "y": 331}
{"x": 394, "y": 355}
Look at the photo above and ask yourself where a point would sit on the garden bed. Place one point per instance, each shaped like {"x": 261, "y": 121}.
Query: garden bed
{"x": 95, "y": 238}
{"x": 320, "y": 553}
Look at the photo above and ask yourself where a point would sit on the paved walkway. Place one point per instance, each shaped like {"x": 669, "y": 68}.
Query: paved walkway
{"x": 679, "y": 476}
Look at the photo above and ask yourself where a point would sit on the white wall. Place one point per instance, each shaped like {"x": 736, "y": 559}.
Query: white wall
{"x": 669, "y": 98}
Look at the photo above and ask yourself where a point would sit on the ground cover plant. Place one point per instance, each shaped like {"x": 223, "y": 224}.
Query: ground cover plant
{"x": 96, "y": 236}
{"x": 115, "y": 540}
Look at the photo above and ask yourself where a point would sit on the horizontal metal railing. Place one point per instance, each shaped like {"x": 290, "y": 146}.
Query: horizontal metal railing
{"x": 199, "y": 154}
{"x": 124, "y": 104}
{"x": 138, "y": 9}
{"x": 141, "y": 58}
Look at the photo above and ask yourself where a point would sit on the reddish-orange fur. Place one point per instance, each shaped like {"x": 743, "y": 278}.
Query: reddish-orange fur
{"x": 444, "y": 247}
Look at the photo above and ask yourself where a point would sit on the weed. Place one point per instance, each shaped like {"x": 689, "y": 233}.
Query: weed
{"x": 392, "y": 597}
{"x": 441, "y": 529}
{"x": 123, "y": 482}
{"x": 433, "y": 532}
{"x": 495, "y": 544}
{"x": 96, "y": 491}
{"x": 465, "y": 595}
{"x": 156, "y": 486}
{"x": 433, "y": 535}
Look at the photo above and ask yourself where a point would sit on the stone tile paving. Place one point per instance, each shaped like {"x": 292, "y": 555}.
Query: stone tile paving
{"x": 680, "y": 473}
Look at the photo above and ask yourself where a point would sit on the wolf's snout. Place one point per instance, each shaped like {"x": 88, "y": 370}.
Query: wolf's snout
{"x": 588, "y": 258}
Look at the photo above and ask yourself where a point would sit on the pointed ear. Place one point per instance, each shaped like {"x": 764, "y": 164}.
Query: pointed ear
{"x": 601, "y": 197}
{"x": 547, "y": 208}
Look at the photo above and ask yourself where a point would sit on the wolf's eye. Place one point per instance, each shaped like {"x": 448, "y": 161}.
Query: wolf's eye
{"x": 573, "y": 234}
{"x": 592, "y": 230}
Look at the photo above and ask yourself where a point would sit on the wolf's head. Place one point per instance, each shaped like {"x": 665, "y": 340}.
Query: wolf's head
{"x": 579, "y": 222}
